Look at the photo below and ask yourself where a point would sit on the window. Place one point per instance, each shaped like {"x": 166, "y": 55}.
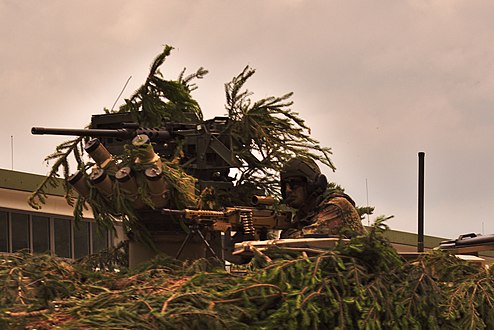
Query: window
{"x": 41, "y": 233}
{"x": 45, "y": 233}
{"x": 81, "y": 239}
{"x": 4, "y": 231}
{"x": 62, "y": 236}
{"x": 20, "y": 231}
{"x": 100, "y": 238}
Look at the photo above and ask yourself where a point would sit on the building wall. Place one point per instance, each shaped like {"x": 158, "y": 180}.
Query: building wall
{"x": 50, "y": 229}
{"x": 17, "y": 200}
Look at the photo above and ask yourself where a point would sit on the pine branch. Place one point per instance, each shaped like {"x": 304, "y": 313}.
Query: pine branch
{"x": 266, "y": 133}
{"x": 63, "y": 151}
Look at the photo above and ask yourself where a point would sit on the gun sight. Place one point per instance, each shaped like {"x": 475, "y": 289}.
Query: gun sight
{"x": 262, "y": 200}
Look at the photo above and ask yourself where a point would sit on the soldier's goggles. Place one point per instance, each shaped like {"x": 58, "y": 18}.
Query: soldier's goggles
{"x": 293, "y": 183}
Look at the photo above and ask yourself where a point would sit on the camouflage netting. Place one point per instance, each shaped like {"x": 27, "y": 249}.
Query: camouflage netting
{"x": 360, "y": 285}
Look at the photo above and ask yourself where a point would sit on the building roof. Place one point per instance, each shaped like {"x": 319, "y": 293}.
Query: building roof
{"x": 411, "y": 238}
{"x": 22, "y": 181}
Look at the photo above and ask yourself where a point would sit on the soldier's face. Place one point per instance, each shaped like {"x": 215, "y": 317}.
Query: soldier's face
{"x": 295, "y": 191}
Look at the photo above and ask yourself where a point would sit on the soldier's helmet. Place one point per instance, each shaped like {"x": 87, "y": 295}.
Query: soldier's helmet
{"x": 307, "y": 169}
{"x": 300, "y": 167}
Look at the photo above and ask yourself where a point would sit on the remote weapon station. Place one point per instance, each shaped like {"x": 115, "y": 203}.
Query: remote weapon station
{"x": 206, "y": 154}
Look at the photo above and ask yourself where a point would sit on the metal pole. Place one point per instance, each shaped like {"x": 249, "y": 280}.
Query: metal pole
{"x": 12, "y": 151}
{"x": 420, "y": 236}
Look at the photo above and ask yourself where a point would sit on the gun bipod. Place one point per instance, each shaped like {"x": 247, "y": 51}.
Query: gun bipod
{"x": 194, "y": 229}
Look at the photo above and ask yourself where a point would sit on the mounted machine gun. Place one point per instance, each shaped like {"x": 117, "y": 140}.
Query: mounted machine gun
{"x": 206, "y": 147}
{"x": 206, "y": 155}
{"x": 248, "y": 223}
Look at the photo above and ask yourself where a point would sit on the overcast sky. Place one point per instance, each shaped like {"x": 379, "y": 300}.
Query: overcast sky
{"x": 377, "y": 81}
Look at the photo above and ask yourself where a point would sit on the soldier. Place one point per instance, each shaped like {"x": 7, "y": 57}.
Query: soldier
{"x": 319, "y": 210}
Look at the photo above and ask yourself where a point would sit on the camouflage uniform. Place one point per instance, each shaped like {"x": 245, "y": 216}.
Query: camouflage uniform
{"x": 320, "y": 211}
{"x": 336, "y": 215}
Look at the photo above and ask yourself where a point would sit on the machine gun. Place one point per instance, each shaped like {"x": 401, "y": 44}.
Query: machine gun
{"x": 248, "y": 223}
{"x": 468, "y": 244}
{"x": 206, "y": 153}
{"x": 206, "y": 146}
{"x": 251, "y": 221}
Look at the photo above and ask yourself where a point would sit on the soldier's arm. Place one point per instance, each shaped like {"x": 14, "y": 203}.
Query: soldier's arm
{"x": 328, "y": 221}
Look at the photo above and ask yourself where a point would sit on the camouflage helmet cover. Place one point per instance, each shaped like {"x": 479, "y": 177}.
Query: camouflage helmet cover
{"x": 301, "y": 167}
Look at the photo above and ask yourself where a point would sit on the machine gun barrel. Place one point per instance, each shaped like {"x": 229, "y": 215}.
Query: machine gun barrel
{"x": 122, "y": 133}
{"x": 154, "y": 134}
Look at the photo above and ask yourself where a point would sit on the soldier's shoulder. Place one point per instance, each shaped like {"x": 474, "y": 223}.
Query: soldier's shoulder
{"x": 338, "y": 199}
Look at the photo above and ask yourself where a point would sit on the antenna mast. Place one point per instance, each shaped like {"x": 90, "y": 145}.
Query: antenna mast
{"x": 12, "y": 151}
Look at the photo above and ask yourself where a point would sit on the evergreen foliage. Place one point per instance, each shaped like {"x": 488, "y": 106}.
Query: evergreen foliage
{"x": 362, "y": 284}
{"x": 159, "y": 100}
{"x": 267, "y": 133}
